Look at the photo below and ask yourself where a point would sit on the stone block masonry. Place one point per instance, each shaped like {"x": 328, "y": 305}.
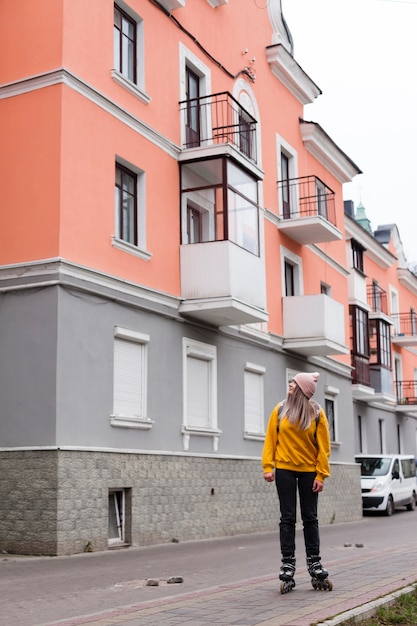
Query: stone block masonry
{"x": 56, "y": 502}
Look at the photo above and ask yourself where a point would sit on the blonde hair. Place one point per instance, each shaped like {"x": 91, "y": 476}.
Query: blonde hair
{"x": 298, "y": 409}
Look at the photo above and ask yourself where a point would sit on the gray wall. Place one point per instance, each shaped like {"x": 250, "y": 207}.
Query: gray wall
{"x": 56, "y": 502}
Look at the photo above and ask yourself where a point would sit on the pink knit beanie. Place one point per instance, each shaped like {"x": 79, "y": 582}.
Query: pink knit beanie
{"x": 307, "y": 382}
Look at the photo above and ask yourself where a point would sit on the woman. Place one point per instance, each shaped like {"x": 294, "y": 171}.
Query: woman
{"x": 296, "y": 453}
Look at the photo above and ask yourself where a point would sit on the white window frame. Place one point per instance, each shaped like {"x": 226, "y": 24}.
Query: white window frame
{"x": 208, "y": 354}
{"x": 283, "y": 147}
{"x": 140, "y": 418}
{"x": 138, "y": 88}
{"x": 188, "y": 59}
{"x": 331, "y": 393}
{"x": 254, "y": 409}
{"x": 119, "y": 513}
{"x": 139, "y": 250}
{"x": 297, "y": 263}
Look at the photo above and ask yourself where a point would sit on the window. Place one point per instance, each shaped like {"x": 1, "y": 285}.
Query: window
{"x": 325, "y": 289}
{"x": 381, "y": 435}
{"x": 130, "y": 210}
{"x": 285, "y": 190}
{"x": 126, "y": 205}
{"x": 124, "y": 39}
{"x": 254, "y": 401}
{"x": 380, "y": 343}
{"x": 287, "y": 171}
{"x": 192, "y": 117}
{"x": 360, "y": 433}
{"x": 130, "y": 379}
{"x": 289, "y": 279}
{"x": 359, "y": 345}
{"x": 330, "y": 408}
{"x": 219, "y": 203}
{"x": 119, "y": 516}
{"x": 291, "y": 273}
{"x": 357, "y": 255}
{"x": 200, "y": 391}
{"x": 359, "y": 331}
{"x": 330, "y": 413}
{"x": 321, "y": 198}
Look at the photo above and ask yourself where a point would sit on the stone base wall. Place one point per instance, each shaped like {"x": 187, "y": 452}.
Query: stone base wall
{"x": 56, "y": 502}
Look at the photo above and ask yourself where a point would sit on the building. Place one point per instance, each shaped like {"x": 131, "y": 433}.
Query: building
{"x": 175, "y": 247}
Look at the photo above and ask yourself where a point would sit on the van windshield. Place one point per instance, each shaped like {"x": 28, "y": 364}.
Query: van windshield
{"x": 371, "y": 466}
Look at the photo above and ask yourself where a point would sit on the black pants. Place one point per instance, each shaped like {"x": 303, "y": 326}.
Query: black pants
{"x": 287, "y": 482}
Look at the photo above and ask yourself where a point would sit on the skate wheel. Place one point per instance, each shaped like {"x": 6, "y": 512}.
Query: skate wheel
{"x": 322, "y": 585}
{"x": 287, "y": 586}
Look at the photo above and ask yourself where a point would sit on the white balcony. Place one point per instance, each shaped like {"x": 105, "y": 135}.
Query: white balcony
{"x": 222, "y": 284}
{"x": 308, "y": 211}
{"x": 314, "y": 325}
{"x": 307, "y": 230}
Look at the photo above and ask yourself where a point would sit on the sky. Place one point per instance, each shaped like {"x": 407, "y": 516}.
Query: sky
{"x": 362, "y": 54}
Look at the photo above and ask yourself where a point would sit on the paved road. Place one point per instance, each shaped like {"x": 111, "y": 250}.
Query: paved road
{"x": 227, "y": 581}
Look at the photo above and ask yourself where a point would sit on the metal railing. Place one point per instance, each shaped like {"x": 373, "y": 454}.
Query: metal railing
{"x": 307, "y": 196}
{"x": 377, "y": 299}
{"x": 406, "y": 391}
{"x": 219, "y": 119}
{"x": 405, "y": 324}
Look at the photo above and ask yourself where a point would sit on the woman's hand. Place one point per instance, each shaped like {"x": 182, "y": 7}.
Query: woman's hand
{"x": 269, "y": 477}
{"x": 317, "y": 486}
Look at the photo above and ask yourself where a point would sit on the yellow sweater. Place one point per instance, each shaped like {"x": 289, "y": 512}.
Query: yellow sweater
{"x": 297, "y": 450}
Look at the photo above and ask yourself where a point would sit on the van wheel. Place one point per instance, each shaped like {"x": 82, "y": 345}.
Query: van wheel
{"x": 390, "y": 506}
{"x": 412, "y": 505}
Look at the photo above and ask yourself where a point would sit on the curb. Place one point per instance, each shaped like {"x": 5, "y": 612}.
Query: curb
{"x": 369, "y": 609}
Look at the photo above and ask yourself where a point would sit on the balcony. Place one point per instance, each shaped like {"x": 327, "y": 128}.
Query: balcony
{"x": 378, "y": 302}
{"x": 314, "y": 325}
{"x": 222, "y": 284}
{"x": 406, "y": 391}
{"x": 308, "y": 214}
{"x": 404, "y": 331}
{"x": 218, "y": 120}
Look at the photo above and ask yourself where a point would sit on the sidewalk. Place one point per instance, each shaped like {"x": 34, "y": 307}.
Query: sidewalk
{"x": 366, "y": 560}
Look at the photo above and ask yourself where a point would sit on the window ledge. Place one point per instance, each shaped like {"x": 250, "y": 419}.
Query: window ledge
{"x": 127, "y": 84}
{"x": 187, "y": 431}
{"x": 205, "y": 432}
{"x": 121, "y": 421}
{"x": 254, "y": 436}
{"x": 130, "y": 248}
{"x": 335, "y": 444}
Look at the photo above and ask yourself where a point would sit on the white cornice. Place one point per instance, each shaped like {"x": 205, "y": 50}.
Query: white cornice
{"x": 407, "y": 279}
{"x": 319, "y": 144}
{"x": 62, "y": 76}
{"x": 26, "y": 275}
{"x": 287, "y": 70}
{"x": 373, "y": 249}
{"x": 281, "y": 33}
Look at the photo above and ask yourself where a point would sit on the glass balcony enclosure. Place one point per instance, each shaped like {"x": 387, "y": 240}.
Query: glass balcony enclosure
{"x": 219, "y": 202}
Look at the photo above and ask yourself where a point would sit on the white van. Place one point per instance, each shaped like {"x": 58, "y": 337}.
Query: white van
{"x": 388, "y": 481}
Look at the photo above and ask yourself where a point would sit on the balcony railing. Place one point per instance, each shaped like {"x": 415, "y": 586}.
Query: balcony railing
{"x": 361, "y": 374}
{"x": 406, "y": 391}
{"x": 377, "y": 299}
{"x": 219, "y": 119}
{"x": 405, "y": 324}
{"x": 307, "y": 196}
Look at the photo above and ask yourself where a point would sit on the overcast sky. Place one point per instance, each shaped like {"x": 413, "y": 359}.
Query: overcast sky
{"x": 362, "y": 54}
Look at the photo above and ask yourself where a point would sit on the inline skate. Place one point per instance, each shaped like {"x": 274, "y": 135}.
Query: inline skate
{"x": 319, "y": 576}
{"x": 286, "y": 574}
